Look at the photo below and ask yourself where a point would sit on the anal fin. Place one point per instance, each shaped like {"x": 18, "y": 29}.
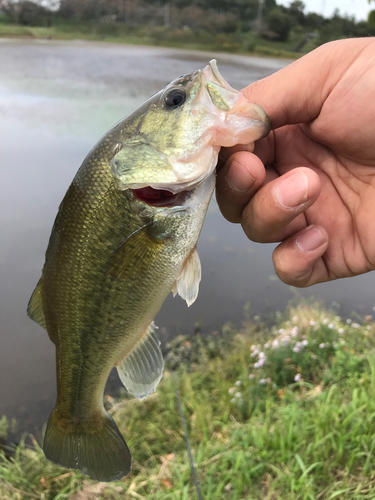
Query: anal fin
{"x": 142, "y": 369}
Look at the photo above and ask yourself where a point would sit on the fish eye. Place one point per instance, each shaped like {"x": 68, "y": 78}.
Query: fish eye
{"x": 175, "y": 98}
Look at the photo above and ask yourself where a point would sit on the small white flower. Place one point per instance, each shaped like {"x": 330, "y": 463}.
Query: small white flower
{"x": 238, "y": 383}
{"x": 285, "y": 341}
{"x": 251, "y": 376}
{"x": 233, "y": 400}
{"x": 296, "y": 349}
{"x": 349, "y": 321}
{"x": 237, "y": 395}
{"x": 305, "y": 342}
{"x": 294, "y": 331}
{"x": 297, "y": 378}
{"x": 259, "y": 363}
{"x": 262, "y": 355}
{"x": 325, "y": 321}
{"x": 322, "y": 346}
{"x": 368, "y": 327}
{"x": 281, "y": 330}
{"x": 254, "y": 354}
{"x": 256, "y": 318}
{"x": 356, "y": 325}
{"x": 295, "y": 319}
{"x": 231, "y": 390}
{"x": 253, "y": 347}
{"x": 263, "y": 381}
{"x": 312, "y": 322}
{"x": 341, "y": 331}
{"x": 331, "y": 326}
{"x": 275, "y": 343}
{"x": 267, "y": 345}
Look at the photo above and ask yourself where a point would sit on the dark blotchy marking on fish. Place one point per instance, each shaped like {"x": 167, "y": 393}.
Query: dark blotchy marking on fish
{"x": 124, "y": 237}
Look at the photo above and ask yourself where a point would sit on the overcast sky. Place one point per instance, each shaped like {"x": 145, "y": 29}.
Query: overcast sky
{"x": 357, "y": 8}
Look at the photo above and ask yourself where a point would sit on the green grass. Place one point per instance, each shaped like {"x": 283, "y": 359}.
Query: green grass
{"x": 244, "y": 43}
{"x": 301, "y": 427}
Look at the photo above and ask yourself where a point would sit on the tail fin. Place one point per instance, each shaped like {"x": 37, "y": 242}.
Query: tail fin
{"x": 100, "y": 452}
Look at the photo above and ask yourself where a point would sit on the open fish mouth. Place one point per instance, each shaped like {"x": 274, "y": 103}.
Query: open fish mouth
{"x": 161, "y": 198}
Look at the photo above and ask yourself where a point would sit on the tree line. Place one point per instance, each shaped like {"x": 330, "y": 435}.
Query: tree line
{"x": 265, "y": 18}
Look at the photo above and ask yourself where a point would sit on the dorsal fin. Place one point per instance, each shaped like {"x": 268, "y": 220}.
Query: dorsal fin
{"x": 35, "y": 306}
{"x": 187, "y": 285}
{"x": 142, "y": 368}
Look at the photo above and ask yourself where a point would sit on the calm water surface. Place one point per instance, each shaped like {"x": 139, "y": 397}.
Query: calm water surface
{"x": 56, "y": 100}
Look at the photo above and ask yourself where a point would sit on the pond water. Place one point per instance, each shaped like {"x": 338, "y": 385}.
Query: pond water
{"x": 56, "y": 100}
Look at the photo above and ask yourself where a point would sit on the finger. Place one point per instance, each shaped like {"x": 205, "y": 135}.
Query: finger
{"x": 242, "y": 175}
{"x": 226, "y": 153}
{"x": 298, "y": 260}
{"x": 275, "y": 212}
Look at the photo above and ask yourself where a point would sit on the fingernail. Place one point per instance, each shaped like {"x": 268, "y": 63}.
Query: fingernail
{"x": 238, "y": 178}
{"x": 293, "y": 190}
{"x": 311, "y": 239}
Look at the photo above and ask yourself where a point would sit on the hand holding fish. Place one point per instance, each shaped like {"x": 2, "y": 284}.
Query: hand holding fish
{"x": 311, "y": 183}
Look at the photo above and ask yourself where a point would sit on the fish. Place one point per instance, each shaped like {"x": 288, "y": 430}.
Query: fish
{"x": 124, "y": 237}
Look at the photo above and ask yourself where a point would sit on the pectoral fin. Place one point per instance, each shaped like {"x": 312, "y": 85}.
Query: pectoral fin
{"x": 141, "y": 370}
{"x": 133, "y": 257}
{"x": 187, "y": 284}
{"x": 35, "y": 306}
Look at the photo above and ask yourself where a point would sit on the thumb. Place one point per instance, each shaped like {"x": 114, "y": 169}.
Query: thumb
{"x": 297, "y": 93}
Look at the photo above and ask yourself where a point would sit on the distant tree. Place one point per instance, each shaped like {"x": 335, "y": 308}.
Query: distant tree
{"x": 280, "y": 23}
{"x": 314, "y": 21}
{"x": 296, "y": 9}
{"x": 27, "y": 12}
{"x": 371, "y": 18}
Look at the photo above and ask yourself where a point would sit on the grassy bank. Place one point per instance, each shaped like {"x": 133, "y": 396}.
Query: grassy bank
{"x": 242, "y": 43}
{"x": 273, "y": 413}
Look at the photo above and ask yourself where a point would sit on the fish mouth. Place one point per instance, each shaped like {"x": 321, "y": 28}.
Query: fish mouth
{"x": 161, "y": 198}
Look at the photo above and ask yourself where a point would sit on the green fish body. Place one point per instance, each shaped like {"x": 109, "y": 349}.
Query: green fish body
{"x": 124, "y": 237}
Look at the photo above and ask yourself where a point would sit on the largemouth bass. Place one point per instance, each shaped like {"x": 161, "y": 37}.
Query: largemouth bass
{"x": 124, "y": 237}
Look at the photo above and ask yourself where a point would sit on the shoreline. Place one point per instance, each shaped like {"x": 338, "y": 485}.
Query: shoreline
{"x": 53, "y": 34}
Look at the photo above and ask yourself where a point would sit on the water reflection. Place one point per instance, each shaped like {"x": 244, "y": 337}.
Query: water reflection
{"x": 56, "y": 100}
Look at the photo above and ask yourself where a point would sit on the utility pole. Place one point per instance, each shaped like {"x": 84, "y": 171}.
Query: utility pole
{"x": 259, "y": 15}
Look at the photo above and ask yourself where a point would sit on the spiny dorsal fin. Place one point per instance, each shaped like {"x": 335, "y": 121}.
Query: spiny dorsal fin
{"x": 188, "y": 282}
{"x": 35, "y": 306}
{"x": 141, "y": 370}
{"x": 133, "y": 257}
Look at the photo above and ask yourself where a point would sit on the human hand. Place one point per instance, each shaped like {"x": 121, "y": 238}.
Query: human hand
{"x": 317, "y": 193}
